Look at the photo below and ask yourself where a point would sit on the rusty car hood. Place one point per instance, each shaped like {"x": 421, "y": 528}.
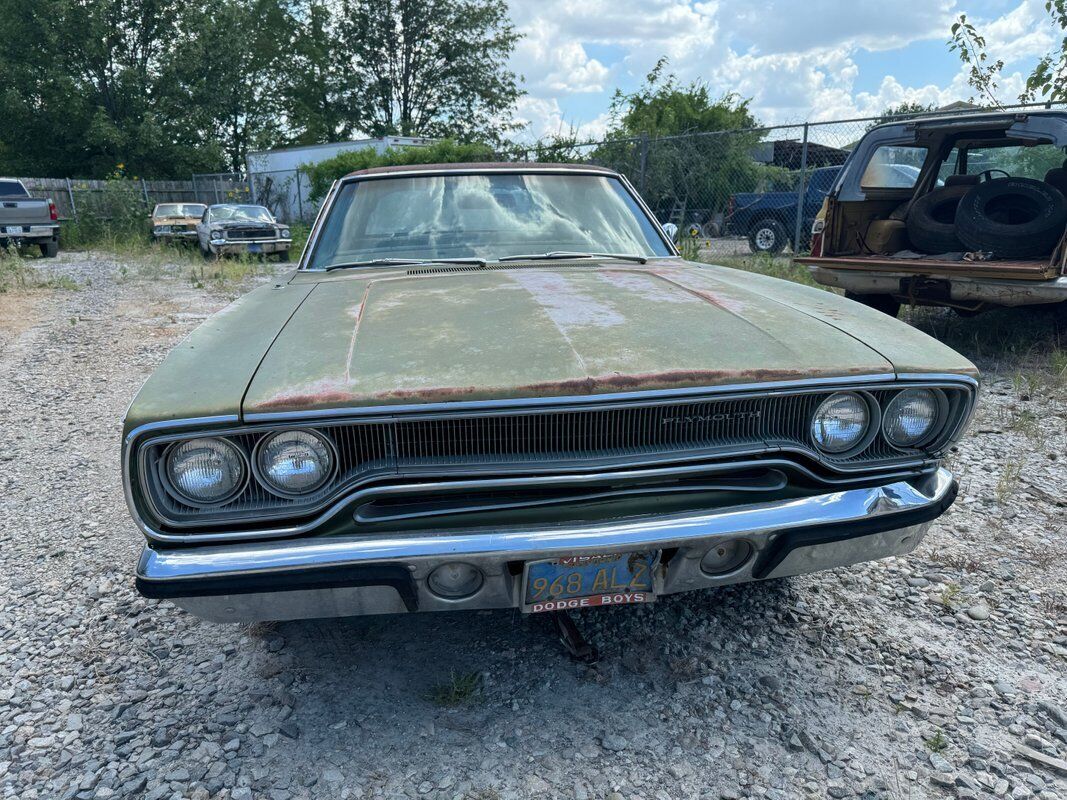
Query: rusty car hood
{"x": 384, "y": 338}
{"x": 175, "y": 220}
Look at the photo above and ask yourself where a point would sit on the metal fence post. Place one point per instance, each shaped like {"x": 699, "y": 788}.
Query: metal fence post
{"x": 196, "y": 191}
{"x": 252, "y": 189}
{"x": 801, "y": 192}
{"x": 299, "y": 198}
{"x": 70, "y": 195}
{"x": 642, "y": 169}
{"x": 215, "y": 185}
{"x": 144, "y": 191}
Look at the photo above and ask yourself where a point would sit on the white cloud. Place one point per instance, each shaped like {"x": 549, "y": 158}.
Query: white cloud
{"x": 795, "y": 60}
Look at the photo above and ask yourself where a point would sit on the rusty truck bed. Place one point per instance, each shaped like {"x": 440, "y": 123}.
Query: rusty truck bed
{"x": 1034, "y": 270}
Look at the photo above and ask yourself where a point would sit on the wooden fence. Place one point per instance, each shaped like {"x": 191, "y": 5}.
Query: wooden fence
{"x": 72, "y": 195}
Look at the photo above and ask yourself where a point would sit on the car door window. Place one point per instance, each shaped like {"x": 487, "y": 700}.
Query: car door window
{"x": 893, "y": 166}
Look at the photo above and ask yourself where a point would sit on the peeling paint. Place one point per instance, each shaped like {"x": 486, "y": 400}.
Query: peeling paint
{"x": 645, "y": 285}
{"x": 327, "y": 392}
{"x": 566, "y": 306}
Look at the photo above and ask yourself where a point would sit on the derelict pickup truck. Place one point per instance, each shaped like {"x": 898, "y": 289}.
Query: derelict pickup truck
{"x": 27, "y": 220}
{"x": 983, "y": 224}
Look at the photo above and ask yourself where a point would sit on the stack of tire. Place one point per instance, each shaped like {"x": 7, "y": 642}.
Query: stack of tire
{"x": 1006, "y": 217}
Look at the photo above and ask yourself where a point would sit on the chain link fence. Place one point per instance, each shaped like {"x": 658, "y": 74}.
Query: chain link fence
{"x": 734, "y": 192}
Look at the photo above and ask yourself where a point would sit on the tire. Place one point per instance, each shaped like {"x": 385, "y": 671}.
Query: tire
{"x": 50, "y": 249}
{"x": 1012, "y": 218}
{"x": 767, "y": 236}
{"x": 931, "y": 221}
{"x": 283, "y": 255}
{"x": 879, "y": 302}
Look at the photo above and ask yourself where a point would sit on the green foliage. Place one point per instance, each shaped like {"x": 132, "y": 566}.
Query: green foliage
{"x": 445, "y": 151}
{"x": 460, "y": 690}
{"x": 108, "y": 217}
{"x": 906, "y": 109}
{"x": 682, "y": 173}
{"x": 662, "y": 107}
{"x": 1046, "y": 82}
{"x": 429, "y": 67}
{"x": 172, "y": 87}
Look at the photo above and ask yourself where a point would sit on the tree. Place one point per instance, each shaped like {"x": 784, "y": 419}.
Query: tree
{"x": 223, "y": 77}
{"x": 905, "y": 109}
{"x": 687, "y": 150}
{"x": 1047, "y": 80}
{"x": 430, "y": 67}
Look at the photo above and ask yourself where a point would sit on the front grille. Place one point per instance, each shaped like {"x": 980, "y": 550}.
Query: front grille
{"x": 557, "y": 440}
{"x": 250, "y": 233}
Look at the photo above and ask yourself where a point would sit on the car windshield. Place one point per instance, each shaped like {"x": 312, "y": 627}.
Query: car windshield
{"x": 180, "y": 209}
{"x": 488, "y": 216}
{"x": 240, "y": 214}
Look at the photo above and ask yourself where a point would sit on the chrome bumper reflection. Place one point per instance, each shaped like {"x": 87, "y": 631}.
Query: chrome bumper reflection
{"x": 788, "y": 538}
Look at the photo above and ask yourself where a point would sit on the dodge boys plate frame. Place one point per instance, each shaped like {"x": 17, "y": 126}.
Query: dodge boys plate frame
{"x": 585, "y": 581}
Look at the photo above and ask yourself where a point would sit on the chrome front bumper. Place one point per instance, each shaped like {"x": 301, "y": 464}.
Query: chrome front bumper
{"x": 241, "y": 245}
{"x": 346, "y": 576}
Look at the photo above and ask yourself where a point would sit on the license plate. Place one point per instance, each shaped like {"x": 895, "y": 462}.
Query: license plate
{"x": 560, "y": 584}
{"x": 255, "y": 248}
{"x": 13, "y": 229}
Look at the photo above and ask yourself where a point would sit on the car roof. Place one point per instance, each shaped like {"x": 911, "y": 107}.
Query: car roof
{"x": 946, "y": 119}
{"x": 486, "y": 166}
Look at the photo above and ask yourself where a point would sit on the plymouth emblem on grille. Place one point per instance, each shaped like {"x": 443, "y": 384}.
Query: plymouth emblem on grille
{"x": 699, "y": 419}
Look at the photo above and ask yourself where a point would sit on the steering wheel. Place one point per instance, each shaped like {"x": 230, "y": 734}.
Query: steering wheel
{"x": 988, "y": 174}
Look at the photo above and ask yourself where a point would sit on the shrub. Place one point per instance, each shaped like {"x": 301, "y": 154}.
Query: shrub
{"x": 444, "y": 151}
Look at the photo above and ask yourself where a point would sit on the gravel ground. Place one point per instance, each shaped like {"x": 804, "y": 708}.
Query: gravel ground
{"x": 943, "y": 674}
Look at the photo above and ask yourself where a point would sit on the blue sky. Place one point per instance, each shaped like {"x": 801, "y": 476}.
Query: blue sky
{"x": 815, "y": 59}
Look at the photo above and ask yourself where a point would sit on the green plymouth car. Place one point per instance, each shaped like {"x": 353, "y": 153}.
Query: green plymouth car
{"x": 497, "y": 386}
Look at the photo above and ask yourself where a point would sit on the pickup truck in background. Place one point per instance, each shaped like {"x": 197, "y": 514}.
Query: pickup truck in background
{"x": 27, "y": 220}
{"x": 769, "y": 219}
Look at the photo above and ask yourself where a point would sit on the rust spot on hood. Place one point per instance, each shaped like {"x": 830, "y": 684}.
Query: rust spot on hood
{"x": 329, "y": 393}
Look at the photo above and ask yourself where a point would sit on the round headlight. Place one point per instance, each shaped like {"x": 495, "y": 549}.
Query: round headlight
{"x": 840, "y": 422}
{"x": 285, "y": 233}
{"x": 206, "y": 471}
{"x": 294, "y": 462}
{"x": 909, "y": 417}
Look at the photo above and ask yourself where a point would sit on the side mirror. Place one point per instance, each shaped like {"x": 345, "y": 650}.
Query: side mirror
{"x": 671, "y": 230}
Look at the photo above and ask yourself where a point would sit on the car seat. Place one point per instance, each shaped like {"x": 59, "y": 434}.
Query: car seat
{"x": 962, "y": 180}
{"x": 1057, "y": 178}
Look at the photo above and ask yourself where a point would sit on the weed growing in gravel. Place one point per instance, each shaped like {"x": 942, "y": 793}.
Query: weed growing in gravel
{"x": 937, "y": 743}
{"x": 461, "y": 690}
{"x": 950, "y": 595}
{"x": 1026, "y": 423}
{"x": 1008, "y": 481}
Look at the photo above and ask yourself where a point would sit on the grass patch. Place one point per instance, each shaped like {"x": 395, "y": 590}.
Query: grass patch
{"x": 19, "y": 273}
{"x": 764, "y": 264}
{"x": 460, "y": 690}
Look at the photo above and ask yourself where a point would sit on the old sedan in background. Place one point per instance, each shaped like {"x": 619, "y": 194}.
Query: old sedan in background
{"x": 227, "y": 229}
{"x": 176, "y": 222}
{"x": 496, "y": 386}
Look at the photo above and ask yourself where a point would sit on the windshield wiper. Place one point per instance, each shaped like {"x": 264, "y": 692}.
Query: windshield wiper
{"x": 404, "y": 262}
{"x": 567, "y": 254}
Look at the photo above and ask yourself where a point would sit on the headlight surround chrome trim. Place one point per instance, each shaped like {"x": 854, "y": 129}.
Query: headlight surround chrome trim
{"x": 874, "y": 419}
{"x": 270, "y": 487}
{"x": 162, "y": 469}
{"x": 941, "y": 419}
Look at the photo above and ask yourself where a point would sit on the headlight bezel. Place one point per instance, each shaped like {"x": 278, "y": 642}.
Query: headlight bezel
{"x": 275, "y": 490}
{"x": 177, "y": 494}
{"x": 870, "y": 432}
{"x": 941, "y": 419}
